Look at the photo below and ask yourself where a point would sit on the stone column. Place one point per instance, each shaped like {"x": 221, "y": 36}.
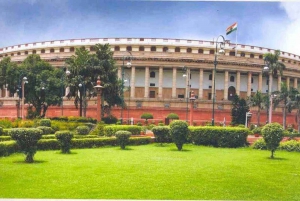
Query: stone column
{"x": 238, "y": 83}
{"x": 6, "y": 92}
{"x": 174, "y": 82}
{"x": 279, "y": 83}
{"x": 249, "y": 84}
{"x": 226, "y": 86}
{"x": 119, "y": 72}
{"x": 147, "y": 75}
{"x": 288, "y": 82}
{"x": 160, "y": 82}
{"x": 200, "y": 84}
{"x": 132, "y": 82}
{"x": 260, "y": 82}
{"x": 270, "y": 83}
{"x": 67, "y": 91}
{"x": 296, "y": 83}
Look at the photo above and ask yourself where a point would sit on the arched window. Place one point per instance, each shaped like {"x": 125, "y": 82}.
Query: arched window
{"x": 12, "y": 54}
{"x": 165, "y": 49}
{"x": 200, "y": 51}
{"x": 51, "y": 50}
{"x": 43, "y": 51}
{"x": 26, "y": 52}
{"x": 117, "y": 48}
{"x": 232, "y": 53}
{"x": 129, "y": 48}
{"x": 34, "y": 52}
{"x": 210, "y": 77}
{"x": 251, "y": 55}
{"x": 61, "y": 49}
{"x": 153, "y": 49}
{"x": 260, "y": 56}
{"x": 232, "y": 78}
{"x": 177, "y": 49}
{"x": 141, "y": 49}
{"x": 211, "y": 51}
{"x": 72, "y": 49}
{"x": 19, "y": 53}
{"x": 189, "y": 50}
{"x": 242, "y": 54}
{"x": 152, "y": 74}
{"x": 252, "y": 80}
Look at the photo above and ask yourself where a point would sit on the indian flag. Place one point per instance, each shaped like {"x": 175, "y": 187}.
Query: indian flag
{"x": 231, "y": 28}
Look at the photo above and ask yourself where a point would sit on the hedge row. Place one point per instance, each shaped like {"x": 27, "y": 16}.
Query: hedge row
{"x": 51, "y": 136}
{"x": 9, "y": 147}
{"x": 291, "y": 145}
{"x": 111, "y": 130}
{"x": 219, "y": 136}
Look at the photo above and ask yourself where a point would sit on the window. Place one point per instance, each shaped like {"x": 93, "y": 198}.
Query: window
{"x": 165, "y": 49}
{"x": 72, "y": 49}
{"x": 200, "y": 51}
{"x": 211, "y": 52}
{"x": 12, "y": 54}
{"x": 141, "y": 49}
{"x": 283, "y": 60}
{"x": 251, "y": 55}
{"x": 232, "y": 78}
{"x": 152, "y": 94}
{"x": 267, "y": 82}
{"x": 231, "y": 53}
{"x": 242, "y": 54}
{"x": 117, "y": 48}
{"x": 92, "y": 49}
{"x": 61, "y": 50}
{"x": 252, "y": 47}
{"x": 141, "y": 39}
{"x": 260, "y": 56}
{"x": 51, "y": 50}
{"x": 177, "y": 49}
{"x": 43, "y": 51}
{"x": 34, "y": 52}
{"x": 180, "y": 96}
{"x": 289, "y": 61}
{"x": 189, "y": 50}
{"x": 19, "y": 53}
{"x": 252, "y": 80}
{"x": 153, "y": 49}
{"x": 210, "y": 77}
{"x": 152, "y": 84}
{"x": 152, "y": 74}
{"x": 26, "y": 52}
{"x": 209, "y": 96}
{"x": 129, "y": 48}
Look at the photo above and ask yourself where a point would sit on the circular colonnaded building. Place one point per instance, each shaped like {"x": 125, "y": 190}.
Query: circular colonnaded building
{"x": 155, "y": 82}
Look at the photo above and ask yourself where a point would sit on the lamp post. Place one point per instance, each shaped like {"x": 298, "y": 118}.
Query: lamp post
{"x": 24, "y": 80}
{"x": 67, "y": 73}
{"x": 128, "y": 80}
{"x": 187, "y": 74}
{"x": 98, "y": 88}
{"x": 122, "y": 86}
{"x": 266, "y": 69}
{"x": 221, "y": 51}
{"x": 81, "y": 85}
{"x": 192, "y": 99}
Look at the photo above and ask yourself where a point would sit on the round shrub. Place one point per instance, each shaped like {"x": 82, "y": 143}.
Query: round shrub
{"x": 46, "y": 130}
{"x": 45, "y": 122}
{"x": 82, "y": 130}
{"x": 172, "y": 116}
{"x": 272, "y": 134}
{"x": 259, "y": 144}
{"x": 161, "y": 133}
{"x": 257, "y": 130}
{"x": 27, "y": 139}
{"x": 64, "y": 139}
{"x": 147, "y": 116}
{"x": 110, "y": 119}
{"x": 123, "y": 138}
{"x": 179, "y": 132}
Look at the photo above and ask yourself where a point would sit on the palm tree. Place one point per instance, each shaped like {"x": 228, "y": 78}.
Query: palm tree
{"x": 296, "y": 105}
{"x": 284, "y": 96}
{"x": 273, "y": 63}
{"x": 258, "y": 100}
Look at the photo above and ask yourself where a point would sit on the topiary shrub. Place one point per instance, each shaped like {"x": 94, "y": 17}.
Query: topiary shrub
{"x": 161, "y": 133}
{"x": 172, "y": 116}
{"x": 259, "y": 144}
{"x": 82, "y": 130}
{"x": 27, "y": 139}
{"x": 146, "y": 116}
{"x": 46, "y": 130}
{"x": 272, "y": 134}
{"x": 45, "y": 122}
{"x": 123, "y": 138}
{"x": 111, "y": 130}
{"x": 110, "y": 119}
{"x": 64, "y": 139}
{"x": 179, "y": 132}
{"x": 99, "y": 129}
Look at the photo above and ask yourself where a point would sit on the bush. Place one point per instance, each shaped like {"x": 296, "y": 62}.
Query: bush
{"x": 1, "y": 131}
{"x": 259, "y": 144}
{"x": 257, "y": 130}
{"x": 110, "y": 119}
{"x": 272, "y": 134}
{"x": 291, "y": 145}
{"x": 99, "y": 130}
{"x": 8, "y": 147}
{"x": 64, "y": 139}
{"x": 230, "y": 137}
{"x": 27, "y": 139}
{"x": 161, "y": 133}
{"x": 111, "y": 130}
{"x": 26, "y": 124}
{"x": 63, "y": 125}
{"x": 123, "y": 138}
{"x": 179, "y": 132}
{"x": 172, "y": 116}
{"x": 82, "y": 119}
{"x": 5, "y": 123}
{"x": 45, "y": 122}
{"x": 91, "y": 126}
{"x": 46, "y": 130}
{"x": 5, "y": 138}
{"x": 82, "y": 130}
{"x": 147, "y": 116}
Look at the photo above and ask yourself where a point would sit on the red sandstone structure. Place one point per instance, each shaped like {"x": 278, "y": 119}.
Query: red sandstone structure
{"x": 155, "y": 83}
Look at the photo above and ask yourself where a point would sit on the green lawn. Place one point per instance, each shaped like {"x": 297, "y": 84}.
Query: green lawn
{"x": 153, "y": 172}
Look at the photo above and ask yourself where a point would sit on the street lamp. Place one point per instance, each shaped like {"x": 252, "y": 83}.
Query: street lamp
{"x": 129, "y": 89}
{"x": 187, "y": 74}
{"x": 67, "y": 73}
{"x": 98, "y": 88}
{"x": 81, "y": 85}
{"x": 24, "y": 80}
{"x": 221, "y": 51}
{"x": 122, "y": 86}
{"x": 192, "y": 99}
{"x": 266, "y": 69}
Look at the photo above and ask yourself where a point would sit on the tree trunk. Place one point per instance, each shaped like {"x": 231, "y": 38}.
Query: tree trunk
{"x": 258, "y": 116}
{"x": 272, "y": 153}
{"x": 284, "y": 117}
{"x": 29, "y": 158}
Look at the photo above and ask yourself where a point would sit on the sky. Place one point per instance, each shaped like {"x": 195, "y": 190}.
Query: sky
{"x": 274, "y": 25}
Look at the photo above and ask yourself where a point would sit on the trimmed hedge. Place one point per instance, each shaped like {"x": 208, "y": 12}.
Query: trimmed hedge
{"x": 219, "y": 136}
{"x": 8, "y": 147}
{"x": 259, "y": 144}
{"x": 111, "y": 130}
{"x": 5, "y": 138}
{"x": 64, "y": 139}
{"x": 123, "y": 138}
{"x": 291, "y": 145}
{"x": 99, "y": 129}
{"x": 82, "y": 130}
{"x": 162, "y": 134}
{"x": 45, "y": 122}
{"x": 46, "y": 130}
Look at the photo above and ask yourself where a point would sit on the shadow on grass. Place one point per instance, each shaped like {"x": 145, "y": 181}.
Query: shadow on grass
{"x": 71, "y": 153}
{"x": 277, "y": 159}
{"x": 161, "y": 145}
{"x": 126, "y": 149}
{"x": 34, "y": 162}
{"x": 183, "y": 150}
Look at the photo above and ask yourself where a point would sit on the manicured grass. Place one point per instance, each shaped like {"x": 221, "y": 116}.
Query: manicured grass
{"x": 153, "y": 172}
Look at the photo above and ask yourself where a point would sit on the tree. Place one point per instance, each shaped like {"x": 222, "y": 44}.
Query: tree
{"x": 284, "y": 96}
{"x": 179, "y": 132}
{"x": 238, "y": 111}
{"x": 295, "y": 104}
{"x": 9, "y": 70}
{"x": 272, "y": 134}
{"x": 274, "y": 65}
{"x": 258, "y": 100}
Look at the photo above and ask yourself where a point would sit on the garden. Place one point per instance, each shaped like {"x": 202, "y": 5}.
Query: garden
{"x": 71, "y": 157}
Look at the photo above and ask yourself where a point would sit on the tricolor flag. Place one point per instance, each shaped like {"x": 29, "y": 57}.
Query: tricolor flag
{"x": 231, "y": 28}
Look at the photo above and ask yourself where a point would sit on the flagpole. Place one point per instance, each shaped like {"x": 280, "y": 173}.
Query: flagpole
{"x": 236, "y": 42}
